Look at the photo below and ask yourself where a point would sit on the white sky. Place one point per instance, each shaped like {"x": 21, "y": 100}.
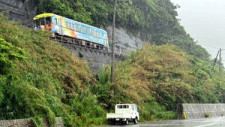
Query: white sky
{"x": 204, "y": 20}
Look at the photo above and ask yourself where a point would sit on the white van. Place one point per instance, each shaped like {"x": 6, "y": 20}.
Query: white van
{"x": 124, "y": 113}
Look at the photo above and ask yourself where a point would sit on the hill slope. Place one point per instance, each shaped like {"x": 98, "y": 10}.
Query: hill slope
{"x": 45, "y": 79}
{"x": 152, "y": 20}
{"x": 159, "y": 77}
{"x": 41, "y": 79}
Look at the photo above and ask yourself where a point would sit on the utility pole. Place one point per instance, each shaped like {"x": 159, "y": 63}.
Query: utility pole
{"x": 220, "y": 64}
{"x": 113, "y": 38}
{"x": 215, "y": 60}
{"x": 113, "y": 41}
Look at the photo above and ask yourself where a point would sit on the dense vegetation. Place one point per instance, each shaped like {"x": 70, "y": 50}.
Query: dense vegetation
{"x": 154, "y": 18}
{"x": 41, "y": 79}
{"x": 159, "y": 77}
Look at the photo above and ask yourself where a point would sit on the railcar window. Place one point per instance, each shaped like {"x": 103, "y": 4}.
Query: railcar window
{"x": 60, "y": 22}
{"x": 66, "y": 24}
{"x": 105, "y": 36}
{"x": 71, "y": 27}
{"x": 74, "y": 27}
{"x": 84, "y": 30}
{"x": 42, "y": 22}
{"x": 89, "y": 31}
{"x": 48, "y": 20}
{"x": 94, "y": 33}
{"x": 78, "y": 27}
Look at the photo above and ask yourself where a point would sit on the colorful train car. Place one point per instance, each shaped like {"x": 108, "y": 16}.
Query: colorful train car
{"x": 72, "y": 30}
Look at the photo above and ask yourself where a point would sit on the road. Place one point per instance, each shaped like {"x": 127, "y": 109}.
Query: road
{"x": 206, "y": 122}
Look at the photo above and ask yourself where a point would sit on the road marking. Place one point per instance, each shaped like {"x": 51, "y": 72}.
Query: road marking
{"x": 209, "y": 124}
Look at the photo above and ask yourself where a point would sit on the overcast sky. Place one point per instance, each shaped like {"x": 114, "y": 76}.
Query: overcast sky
{"x": 204, "y": 20}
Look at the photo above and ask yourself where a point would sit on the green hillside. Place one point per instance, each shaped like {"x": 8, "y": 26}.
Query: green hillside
{"x": 154, "y": 18}
{"x": 41, "y": 79}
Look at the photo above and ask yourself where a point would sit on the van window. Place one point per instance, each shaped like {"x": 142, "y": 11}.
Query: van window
{"x": 133, "y": 107}
{"x": 119, "y": 106}
{"x": 125, "y": 106}
{"x": 122, "y": 106}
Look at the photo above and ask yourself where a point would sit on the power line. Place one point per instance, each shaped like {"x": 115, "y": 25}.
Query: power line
{"x": 211, "y": 46}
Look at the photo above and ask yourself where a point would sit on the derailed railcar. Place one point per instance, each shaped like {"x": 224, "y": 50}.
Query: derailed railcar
{"x": 68, "y": 30}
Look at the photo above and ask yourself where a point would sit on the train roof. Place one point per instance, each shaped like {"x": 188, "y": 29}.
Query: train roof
{"x": 52, "y": 14}
{"x": 43, "y": 16}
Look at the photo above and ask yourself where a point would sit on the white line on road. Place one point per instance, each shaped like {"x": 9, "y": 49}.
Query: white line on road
{"x": 209, "y": 124}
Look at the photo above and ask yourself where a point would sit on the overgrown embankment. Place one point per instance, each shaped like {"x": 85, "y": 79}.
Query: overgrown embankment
{"x": 42, "y": 79}
{"x": 159, "y": 77}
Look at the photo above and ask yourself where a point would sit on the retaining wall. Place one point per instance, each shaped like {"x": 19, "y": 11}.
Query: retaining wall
{"x": 19, "y": 10}
{"x": 194, "y": 111}
{"x": 96, "y": 59}
{"x": 27, "y": 123}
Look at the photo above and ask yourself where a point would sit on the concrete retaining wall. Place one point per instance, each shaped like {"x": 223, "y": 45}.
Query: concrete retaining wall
{"x": 96, "y": 59}
{"x": 26, "y": 123}
{"x": 193, "y": 111}
{"x": 19, "y": 10}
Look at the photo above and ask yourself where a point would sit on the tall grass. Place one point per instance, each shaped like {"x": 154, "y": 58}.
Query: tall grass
{"x": 51, "y": 82}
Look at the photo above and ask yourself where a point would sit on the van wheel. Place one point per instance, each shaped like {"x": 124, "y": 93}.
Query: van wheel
{"x": 127, "y": 122}
{"x": 111, "y": 122}
{"x": 135, "y": 121}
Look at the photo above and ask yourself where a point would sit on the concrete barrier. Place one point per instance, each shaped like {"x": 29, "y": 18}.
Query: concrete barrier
{"x": 194, "y": 111}
{"x": 27, "y": 123}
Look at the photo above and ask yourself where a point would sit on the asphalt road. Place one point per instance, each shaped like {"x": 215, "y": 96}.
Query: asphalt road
{"x": 206, "y": 122}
